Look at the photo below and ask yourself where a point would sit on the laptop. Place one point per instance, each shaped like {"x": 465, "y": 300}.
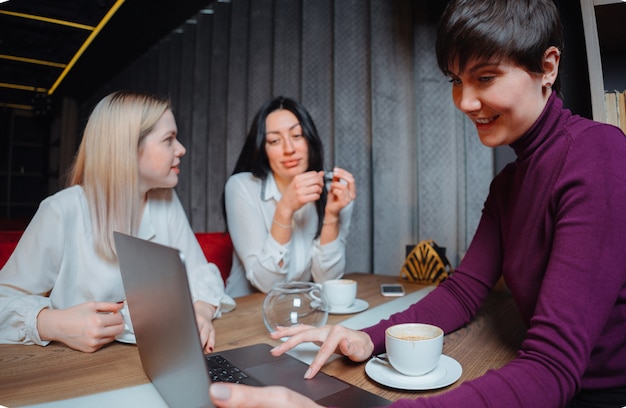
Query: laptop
{"x": 157, "y": 292}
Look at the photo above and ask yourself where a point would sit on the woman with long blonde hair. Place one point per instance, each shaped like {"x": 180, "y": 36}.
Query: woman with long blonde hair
{"x": 63, "y": 283}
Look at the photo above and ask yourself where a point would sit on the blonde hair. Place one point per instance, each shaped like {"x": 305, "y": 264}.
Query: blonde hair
{"x": 106, "y": 165}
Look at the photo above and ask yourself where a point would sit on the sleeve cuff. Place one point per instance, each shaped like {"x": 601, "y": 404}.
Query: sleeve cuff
{"x": 31, "y": 334}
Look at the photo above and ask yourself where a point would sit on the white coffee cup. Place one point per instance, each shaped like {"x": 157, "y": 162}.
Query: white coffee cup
{"x": 339, "y": 293}
{"x": 414, "y": 348}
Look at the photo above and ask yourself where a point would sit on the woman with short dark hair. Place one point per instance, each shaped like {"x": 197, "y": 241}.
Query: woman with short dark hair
{"x": 553, "y": 226}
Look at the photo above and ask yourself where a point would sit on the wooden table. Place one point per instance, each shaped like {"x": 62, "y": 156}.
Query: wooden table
{"x": 33, "y": 374}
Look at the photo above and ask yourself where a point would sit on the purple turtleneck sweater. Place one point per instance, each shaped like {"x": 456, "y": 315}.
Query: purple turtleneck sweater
{"x": 554, "y": 225}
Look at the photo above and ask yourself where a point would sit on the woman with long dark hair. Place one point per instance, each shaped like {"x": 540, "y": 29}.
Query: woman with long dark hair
{"x": 286, "y": 221}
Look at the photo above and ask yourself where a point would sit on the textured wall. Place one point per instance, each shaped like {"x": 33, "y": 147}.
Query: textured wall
{"x": 366, "y": 70}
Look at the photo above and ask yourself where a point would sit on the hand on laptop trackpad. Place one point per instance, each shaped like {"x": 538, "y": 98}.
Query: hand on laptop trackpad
{"x": 306, "y": 352}
{"x": 290, "y": 373}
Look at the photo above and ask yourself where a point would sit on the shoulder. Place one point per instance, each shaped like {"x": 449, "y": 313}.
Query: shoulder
{"x": 243, "y": 180}
{"x": 68, "y": 207}
{"x": 593, "y": 167}
{"x": 243, "y": 177}
{"x": 584, "y": 131}
{"x": 69, "y": 199}
{"x": 595, "y": 144}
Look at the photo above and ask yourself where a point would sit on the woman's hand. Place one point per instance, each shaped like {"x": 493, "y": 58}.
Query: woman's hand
{"x": 226, "y": 395}
{"x": 304, "y": 188}
{"x": 85, "y": 327}
{"x": 204, "y": 318}
{"x": 356, "y": 345}
{"x": 342, "y": 191}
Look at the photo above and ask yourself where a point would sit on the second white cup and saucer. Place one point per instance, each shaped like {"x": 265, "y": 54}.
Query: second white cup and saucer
{"x": 128, "y": 336}
{"x": 340, "y": 296}
{"x": 413, "y": 360}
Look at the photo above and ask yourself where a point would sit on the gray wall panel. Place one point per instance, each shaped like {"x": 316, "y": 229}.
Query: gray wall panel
{"x": 217, "y": 112}
{"x": 393, "y": 140}
{"x": 317, "y": 70}
{"x": 198, "y": 148}
{"x": 366, "y": 71}
{"x": 260, "y": 58}
{"x": 184, "y": 115}
{"x": 237, "y": 115}
{"x": 353, "y": 134}
{"x": 287, "y": 51}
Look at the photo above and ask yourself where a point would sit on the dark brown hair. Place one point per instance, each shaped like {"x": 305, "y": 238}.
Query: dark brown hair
{"x": 518, "y": 30}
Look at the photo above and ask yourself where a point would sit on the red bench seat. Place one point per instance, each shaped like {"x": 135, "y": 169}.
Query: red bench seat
{"x": 217, "y": 248}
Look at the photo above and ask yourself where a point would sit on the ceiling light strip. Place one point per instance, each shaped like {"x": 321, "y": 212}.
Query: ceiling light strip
{"x": 88, "y": 41}
{"x": 15, "y": 106}
{"x": 48, "y": 20}
{"x": 21, "y": 87}
{"x": 32, "y": 61}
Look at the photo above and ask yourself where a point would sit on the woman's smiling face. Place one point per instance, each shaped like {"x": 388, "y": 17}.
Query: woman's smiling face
{"x": 502, "y": 99}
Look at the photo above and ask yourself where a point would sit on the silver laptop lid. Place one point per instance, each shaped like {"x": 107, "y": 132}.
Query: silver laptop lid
{"x": 161, "y": 308}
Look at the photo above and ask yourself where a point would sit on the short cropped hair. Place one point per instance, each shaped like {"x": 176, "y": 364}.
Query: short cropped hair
{"x": 518, "y": 30}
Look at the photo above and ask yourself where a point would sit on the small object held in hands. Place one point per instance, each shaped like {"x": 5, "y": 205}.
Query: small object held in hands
{"x": 329, "y": 177}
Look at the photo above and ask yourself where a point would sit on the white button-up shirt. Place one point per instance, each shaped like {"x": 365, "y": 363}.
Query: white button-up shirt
{"x": 250, "y": 207}
{"x": 55, "y": 264}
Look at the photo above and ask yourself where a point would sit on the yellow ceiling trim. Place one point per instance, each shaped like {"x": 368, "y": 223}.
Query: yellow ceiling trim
{"x": 15, "y": 106}
{"x": 88, "y": 41}
{"x": 48, "y": 20}
{"x": 32, "y": 61}
{"x": 22, "y": 87}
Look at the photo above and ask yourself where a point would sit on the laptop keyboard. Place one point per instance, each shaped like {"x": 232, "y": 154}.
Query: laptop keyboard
{"x": 221, "y": 370}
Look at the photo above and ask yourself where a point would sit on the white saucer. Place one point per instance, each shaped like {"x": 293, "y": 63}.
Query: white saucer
{"x": 447, "y": 372}
{"x": 359, "y": 305}
{"x": 127, "y": 337}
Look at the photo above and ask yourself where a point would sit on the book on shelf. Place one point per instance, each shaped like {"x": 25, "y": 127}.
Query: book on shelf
{"x": 621, "y": 112}
{"x": 615, "y": 103}
{"x": 610, "y": 98}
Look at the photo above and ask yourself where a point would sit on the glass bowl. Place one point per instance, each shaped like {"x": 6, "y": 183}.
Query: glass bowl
{"x": 291, "y": 303}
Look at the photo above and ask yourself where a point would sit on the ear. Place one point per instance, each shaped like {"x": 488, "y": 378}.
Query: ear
{"x": 551, "y": 60}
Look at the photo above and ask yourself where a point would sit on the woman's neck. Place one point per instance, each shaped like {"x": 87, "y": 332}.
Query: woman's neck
{"x": 281, "y": 183}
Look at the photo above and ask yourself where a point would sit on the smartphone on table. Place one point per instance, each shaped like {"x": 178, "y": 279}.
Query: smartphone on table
{"x": 392, "y": 289}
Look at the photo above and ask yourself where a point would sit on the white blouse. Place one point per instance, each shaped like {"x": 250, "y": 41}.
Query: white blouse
{"x": 55, "y": 264}
{"x": 250, "y": 206}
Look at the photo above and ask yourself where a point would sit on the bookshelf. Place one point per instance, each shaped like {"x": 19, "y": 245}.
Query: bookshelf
{"x": 604, "y": 30}
{"x": 23, "y": 152}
